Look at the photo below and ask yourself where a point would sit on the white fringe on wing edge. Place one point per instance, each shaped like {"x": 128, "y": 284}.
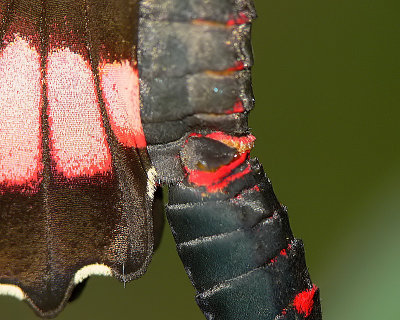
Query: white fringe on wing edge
{"x": 12, "y": 290}
{"x": 90, "y": 270}
{"x": 151, "y": 182}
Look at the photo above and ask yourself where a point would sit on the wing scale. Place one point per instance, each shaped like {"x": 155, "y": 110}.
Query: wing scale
{"x": 74, "y": 192}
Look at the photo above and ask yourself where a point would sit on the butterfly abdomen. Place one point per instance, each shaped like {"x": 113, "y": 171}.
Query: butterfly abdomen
{"x": 232, "y": 234}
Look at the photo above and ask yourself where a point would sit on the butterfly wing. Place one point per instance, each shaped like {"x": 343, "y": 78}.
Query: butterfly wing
{"x": 76, "y": 184}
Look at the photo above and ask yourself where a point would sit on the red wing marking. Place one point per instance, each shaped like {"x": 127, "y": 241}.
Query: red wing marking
{"x": 20, "y": 139}
{"x": 120, "y": 86}
{"x": 77, "y": 135}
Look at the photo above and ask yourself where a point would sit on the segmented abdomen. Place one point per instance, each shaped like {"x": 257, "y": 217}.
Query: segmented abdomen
{"x": 232, "y": 234}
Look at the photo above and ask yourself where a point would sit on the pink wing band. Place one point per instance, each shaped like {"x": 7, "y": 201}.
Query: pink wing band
{"x": 120, "y": 87}
{"x": 20, "y": 92}
{"x": 78, "y": 140}
{"x": 77, "y": 136}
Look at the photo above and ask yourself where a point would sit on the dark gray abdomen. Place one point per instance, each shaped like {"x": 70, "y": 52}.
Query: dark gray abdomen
{"x": 232, "y": 234}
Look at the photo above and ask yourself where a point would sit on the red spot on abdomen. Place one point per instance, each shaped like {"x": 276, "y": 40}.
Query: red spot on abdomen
{"x": 20, "y": 139}
{"x": 240, "y": 19}
{"x": 304, "y": 301}
{"x": 218, "y": 179}
{"x": 77, "y": 136}
{"x": 239, "y": 66}
{"x": 120, "y": 86}
{"x": 213, "y": 180}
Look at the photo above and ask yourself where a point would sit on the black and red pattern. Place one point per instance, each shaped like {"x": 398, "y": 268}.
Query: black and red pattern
{"x": 81, "y": 154}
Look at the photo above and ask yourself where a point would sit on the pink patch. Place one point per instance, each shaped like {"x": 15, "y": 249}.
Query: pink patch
{"x": 20, "y": 137}
{"x": 304, "y": 301}
{"x": 78, "y": 139}
{"x": 120, "y": 86}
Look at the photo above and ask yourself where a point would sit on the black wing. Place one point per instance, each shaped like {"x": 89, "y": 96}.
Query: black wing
{"x": 76, "y": 184}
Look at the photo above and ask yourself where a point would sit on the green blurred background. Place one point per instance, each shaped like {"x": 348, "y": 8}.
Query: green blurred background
{"x": 326, "y": 80}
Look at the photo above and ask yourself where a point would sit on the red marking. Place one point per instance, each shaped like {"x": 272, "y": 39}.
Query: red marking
{"x": 229, "y": 140}
{"x": 239, "y": 66}
{"x": 20, "y": 139}
{"x": 194, "y": 134}
{"x": 240, "y": 195}
{"x": 237, "y": 107}
{"x": 120, "y": 85}
{"x": 77, "y": 136}
{"x": 219, "y": 179}
{"x": 208, "y": 178}
{"x": 283, "y": 252}
{"x": 304, "y": 301}
{"x": 240, "y": 19}
{"x": 224, "y": 183}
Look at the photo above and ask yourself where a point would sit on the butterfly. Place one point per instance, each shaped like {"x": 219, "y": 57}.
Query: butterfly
{"x": 102, "y": 103}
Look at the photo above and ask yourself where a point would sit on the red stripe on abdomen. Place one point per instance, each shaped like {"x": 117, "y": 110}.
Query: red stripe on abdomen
{"x": 77, "y": 136}
{"x": 120, "y": 87}
{"x": 20, "y": 139}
